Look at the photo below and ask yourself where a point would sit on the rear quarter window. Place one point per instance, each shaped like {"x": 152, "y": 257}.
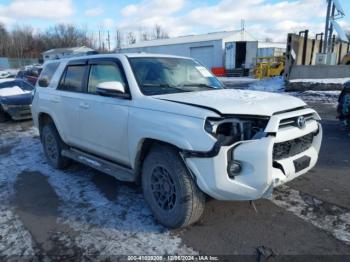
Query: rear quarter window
{"x": 47, "y": 74}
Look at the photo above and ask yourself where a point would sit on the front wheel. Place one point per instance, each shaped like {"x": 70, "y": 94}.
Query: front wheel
{"x": 169, "y": 189}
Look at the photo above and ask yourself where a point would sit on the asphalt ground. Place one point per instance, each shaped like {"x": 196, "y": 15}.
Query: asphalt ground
{"x": 66, "y": 215}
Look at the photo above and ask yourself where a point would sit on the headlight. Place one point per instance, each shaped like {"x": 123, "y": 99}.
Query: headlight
{"x": 233, "y": 129}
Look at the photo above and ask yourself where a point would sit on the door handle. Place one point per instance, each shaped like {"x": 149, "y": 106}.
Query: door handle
{"x": 84, "y": 105}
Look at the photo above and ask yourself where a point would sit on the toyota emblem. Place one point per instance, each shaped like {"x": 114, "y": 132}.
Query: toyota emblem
{"x": 301, "y": 122}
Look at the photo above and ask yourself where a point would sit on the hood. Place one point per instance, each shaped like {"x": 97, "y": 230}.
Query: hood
{"x": 20, "y": 99}
{"x": 234, "y": 101}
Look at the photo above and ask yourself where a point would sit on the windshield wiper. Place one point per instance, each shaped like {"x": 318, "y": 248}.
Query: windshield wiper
{"x": 201, "y": 85}
{"x": 165, "y": 85}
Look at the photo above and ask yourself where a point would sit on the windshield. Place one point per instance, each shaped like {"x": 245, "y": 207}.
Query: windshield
{"x": 164, "y": 75}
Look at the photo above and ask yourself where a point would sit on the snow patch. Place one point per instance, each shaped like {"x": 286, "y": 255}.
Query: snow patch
{"x": 330, "y": 97}
{"x": 331, "y": 218}
{"x": 273, "y": 84}
{"x": 14, "y": 238}
{"x": 104, "y": 227}
{"x": 322, "y": 81}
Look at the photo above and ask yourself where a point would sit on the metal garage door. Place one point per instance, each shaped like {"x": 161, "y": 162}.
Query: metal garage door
{"x": 204, "y": 54}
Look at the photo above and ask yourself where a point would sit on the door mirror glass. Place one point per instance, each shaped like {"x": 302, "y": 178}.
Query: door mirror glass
{"x": 113, "y": 88}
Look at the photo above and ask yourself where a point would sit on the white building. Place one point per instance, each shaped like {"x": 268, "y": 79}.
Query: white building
{"x": 209, "y": 49}
{"x": 58, "y": 53}
{"x": 269, "y": 49}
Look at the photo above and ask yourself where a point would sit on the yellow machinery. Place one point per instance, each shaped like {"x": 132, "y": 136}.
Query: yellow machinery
{"x": 269, "y": 66}
{"x": 346, "y": 59}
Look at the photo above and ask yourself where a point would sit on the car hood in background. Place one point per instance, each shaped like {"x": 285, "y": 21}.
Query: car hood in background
{"x": 234, "y": 101}
{"x": 15, "y": 96}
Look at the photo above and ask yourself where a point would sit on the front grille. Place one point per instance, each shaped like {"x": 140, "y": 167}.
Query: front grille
{"x": 292, "y": 147}
{"x": 293, "y": 120}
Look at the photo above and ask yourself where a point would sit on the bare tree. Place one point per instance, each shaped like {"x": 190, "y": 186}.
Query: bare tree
{"x": 118, "y": 39}
{"x": 159, "y": 32}
{"x": 131, "y": 38}
{"x": 4, "y": 37}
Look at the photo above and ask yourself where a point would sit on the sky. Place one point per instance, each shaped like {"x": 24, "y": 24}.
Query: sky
{"x": 263, "y": 18}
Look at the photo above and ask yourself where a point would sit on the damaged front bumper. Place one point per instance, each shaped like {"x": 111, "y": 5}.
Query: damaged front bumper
{"x": 262, "y": 168}
{"x": 18, "y": 112}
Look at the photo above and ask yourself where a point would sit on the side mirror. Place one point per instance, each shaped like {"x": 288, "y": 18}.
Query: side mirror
{"x": 43, "y": 82}
{"x": 114, "y": 88}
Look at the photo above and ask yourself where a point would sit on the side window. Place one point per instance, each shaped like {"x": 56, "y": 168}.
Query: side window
{"x": 74, "y": 79}
{"x": 104, "y": 73}
{"x": 47, "y": 74}
{"x": 26, "y": 86}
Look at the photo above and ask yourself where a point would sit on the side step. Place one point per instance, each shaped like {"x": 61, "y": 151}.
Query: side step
{"x": 119, "y": 172}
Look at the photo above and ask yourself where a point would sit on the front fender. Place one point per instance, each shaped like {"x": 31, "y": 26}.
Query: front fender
{"x": 184, "y": 132}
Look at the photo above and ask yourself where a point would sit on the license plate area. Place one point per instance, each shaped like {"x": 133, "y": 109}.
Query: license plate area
{"x": 301, "y": 163}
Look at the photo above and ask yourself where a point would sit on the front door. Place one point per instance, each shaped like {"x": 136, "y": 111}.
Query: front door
{"x": 103, "y": 121}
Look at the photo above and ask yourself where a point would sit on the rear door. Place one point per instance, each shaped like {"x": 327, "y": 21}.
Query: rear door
{"x": 103, "y": 121}
{"x": 71, "y": 89}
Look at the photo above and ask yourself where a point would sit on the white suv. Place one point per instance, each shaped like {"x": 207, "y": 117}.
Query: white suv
{"x": 167, "y": 122}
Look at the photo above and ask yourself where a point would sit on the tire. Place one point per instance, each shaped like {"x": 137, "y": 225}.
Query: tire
{"x": 3, "y": 117}
{"x": 344, "y": 108}
{"x": 169, "y": 190}
{"x": 53, "y": 145}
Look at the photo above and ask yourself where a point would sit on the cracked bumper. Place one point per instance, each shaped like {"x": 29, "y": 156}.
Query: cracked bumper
{"x": 258, "y": 175}
{"x": 19, "y": 112}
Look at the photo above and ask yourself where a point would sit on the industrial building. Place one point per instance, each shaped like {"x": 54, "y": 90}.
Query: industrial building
{"x": 221, "y": 52}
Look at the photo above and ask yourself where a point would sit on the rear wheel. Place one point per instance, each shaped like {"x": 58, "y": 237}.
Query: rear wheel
{"x": 53, "y": 146}
{"x": 169, "y": 189}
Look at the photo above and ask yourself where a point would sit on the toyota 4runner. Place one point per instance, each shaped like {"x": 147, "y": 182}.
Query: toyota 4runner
{"x": 168, "y": 123}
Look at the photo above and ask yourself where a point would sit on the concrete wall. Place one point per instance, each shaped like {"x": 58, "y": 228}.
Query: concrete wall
{"x": 183, "y": 50}
{"x": 319, "y": 72}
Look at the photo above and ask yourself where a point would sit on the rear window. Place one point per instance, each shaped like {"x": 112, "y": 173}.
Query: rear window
{"x": 74, "y": 79}
{"x": 47, "y": 74}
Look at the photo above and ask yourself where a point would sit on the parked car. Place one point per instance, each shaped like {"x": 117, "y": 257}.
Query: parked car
{"x": 167, "y": 122}
{"x": 29, "y": 75}
{"x": 344, "y": 104}
{"x": 15, "y": 99}
{"x": 5, "y": 74}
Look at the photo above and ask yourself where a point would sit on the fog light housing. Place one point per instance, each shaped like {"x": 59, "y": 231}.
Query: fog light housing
{"x": 234, "y": 168}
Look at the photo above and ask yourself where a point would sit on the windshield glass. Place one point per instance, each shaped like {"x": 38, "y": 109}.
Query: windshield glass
{"x": 164, "y": 75}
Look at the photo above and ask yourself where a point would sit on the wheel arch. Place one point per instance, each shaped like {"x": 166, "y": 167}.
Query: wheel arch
{"x": 45, "y": 118}
{"x": 143, "y": 148}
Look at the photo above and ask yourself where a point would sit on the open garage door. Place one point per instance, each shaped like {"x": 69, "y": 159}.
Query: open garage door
{"x": 204, "y": 54}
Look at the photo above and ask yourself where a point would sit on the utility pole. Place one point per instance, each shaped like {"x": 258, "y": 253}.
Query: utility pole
{"x": 99, "y": 38}
{"x": 109, "y": 41}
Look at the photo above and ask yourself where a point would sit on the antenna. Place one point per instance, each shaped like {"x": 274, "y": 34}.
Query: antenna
{"x": 242, "y": 29}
